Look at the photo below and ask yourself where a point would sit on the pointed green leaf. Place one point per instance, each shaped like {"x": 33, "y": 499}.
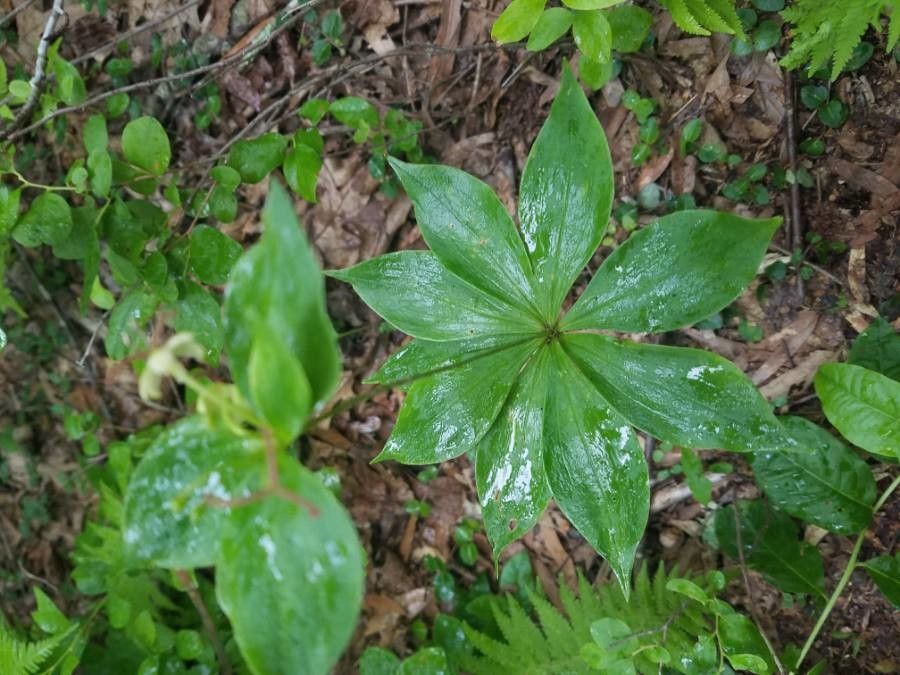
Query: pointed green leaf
{"x": 126, "y": 332}
{"x": 257, "y": 157}
{"x": 885, "y": 572}
{"x": 674, "y": 272}
{"x": 277, "y": 286}
{"x": 279, "y": 389}
{"x": 771, "y": 546}
{"x": 593, "y": 35}
{"x": 47, "y": 221}
{"x": 863, "y": 405}
{"x": 517, "y": 20}
{"x": 743, "y": 644}
{"x": 821, "y": 481}
{"x": 197, "y": 312}
{"x": 146, "y": 145}
{"x": 630, "y": 26}
{"x": 551, "y": 25}
{"x": 469, "y": 230}
{"x": 168, "y": 518}
{"x": 878, "y": 348}
{"x": 684, "y": 396}
{"x": 213, "y": 254}
{"x": 301, "y": 171}
{"x": 595, "y": 466}
{"x": 290, "y": 578}
{"x": 566, "y": 195}
{"x": 509, "y": 465}
{"x": 424, "y": 357}
{"x": 446, "y": 414}
{"x": 414, "y": 292}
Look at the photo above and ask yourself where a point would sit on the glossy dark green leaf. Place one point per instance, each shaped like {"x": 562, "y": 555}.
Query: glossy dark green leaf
{"x": 684, "y": 396}
{"x": 820, "y": 480}
{"x": 673, "y": 273}
{"x": 279, "y": 389}
{"x": 146, "y": 145}
{"x": 509, "y": 464}
{"x": 772, "y": 546}
{"x": 593, "y": 35}
{"x": 878, "y": 349}
{"x": 301, "y": 171}
{"x": 197, "y": 312}
{"x": 469, "y": 230}
{"x": 517, "y": 20}
{"x": 885, "y": 571}
{"x": 863, "y": 405}
{"x": 743, "y": 645}
{"x": 355, "y": 112}
{"x": 256, "y": 158}
{"x": 126, "y": 332}
{"x": 213, "y": 254}
{"x": 415, "y": 293}
{"x": 277, "y": 286}
{"x": 47, "y": 221}
{"x": 169, "y": 520}
{"x": 425, "y": 357}
{"x": 595, "y": 466}
{"x": 426, "y": 661}
{"x": 565, "y": 196}
{"x": 290, "y": 578}
{"x": 551, "y": 25}
{"x": 630, "y": 26}
{"x": 446, "y": 414}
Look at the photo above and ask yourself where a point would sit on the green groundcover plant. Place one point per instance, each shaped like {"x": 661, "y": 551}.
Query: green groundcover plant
{"x": 543, "y": 398}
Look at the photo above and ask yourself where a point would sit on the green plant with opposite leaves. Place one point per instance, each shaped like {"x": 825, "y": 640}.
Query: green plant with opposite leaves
{"x": 220, "y": 489}
{"x": 602, "y": 27}
{"x": 542, "y": 398}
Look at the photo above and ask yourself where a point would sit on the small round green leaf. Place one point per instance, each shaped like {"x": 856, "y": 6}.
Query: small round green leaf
{"x": 257, "y": 157}
{"x": 48, "y": 221}
{"x": 517, "y": 20}
{"x": 552, "y": 25}
{"x": 146, "y": 145}
{"x": 213, "y": 254}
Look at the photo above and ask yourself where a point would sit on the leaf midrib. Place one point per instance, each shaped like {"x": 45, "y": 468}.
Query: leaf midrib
{"x": 787, "y": 456}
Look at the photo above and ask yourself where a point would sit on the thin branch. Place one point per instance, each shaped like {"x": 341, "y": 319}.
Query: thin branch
{"x": 37, "y": 79}
{"x": 208, "y": 626}
{"x": 137, "y": 30}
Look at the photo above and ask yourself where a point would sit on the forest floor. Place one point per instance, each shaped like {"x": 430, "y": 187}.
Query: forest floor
{"x": 481, "y": 107}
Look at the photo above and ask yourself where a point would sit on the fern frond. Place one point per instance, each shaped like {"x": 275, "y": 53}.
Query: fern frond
{"x": 551, "y": 641}
{"x": 826, "y": 31}
{"x": 19, "y": 657}
{"x": 702, "y": 17}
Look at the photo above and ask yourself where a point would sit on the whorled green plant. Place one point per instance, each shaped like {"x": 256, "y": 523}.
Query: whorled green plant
{"x": 544, "y": 399}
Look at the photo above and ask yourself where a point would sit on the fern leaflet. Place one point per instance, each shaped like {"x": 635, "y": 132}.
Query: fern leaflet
{"x": 828, "y": 30}
{"x": 555, "y": 642}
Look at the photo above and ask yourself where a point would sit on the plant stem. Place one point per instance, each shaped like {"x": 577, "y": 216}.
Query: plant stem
{"x": 845, "y": 577}
{"x": 206, "y": 619}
